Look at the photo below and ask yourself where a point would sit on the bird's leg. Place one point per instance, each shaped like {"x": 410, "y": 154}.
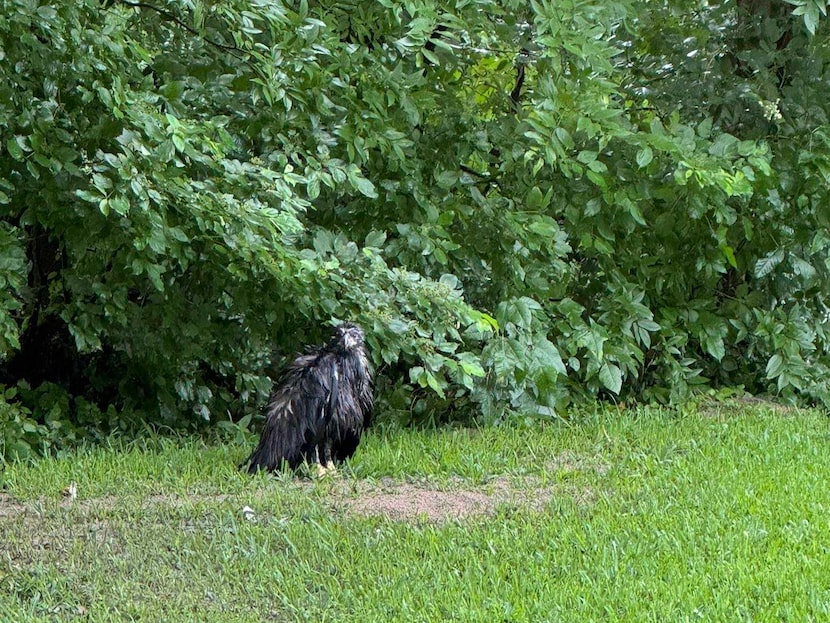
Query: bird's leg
{"x": 325, "y": 464}
{"x": 329, "y": 462}
{"x": 320, "y": 463}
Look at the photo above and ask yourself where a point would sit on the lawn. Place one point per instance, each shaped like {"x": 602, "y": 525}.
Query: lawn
{"x": 720, "y": 513}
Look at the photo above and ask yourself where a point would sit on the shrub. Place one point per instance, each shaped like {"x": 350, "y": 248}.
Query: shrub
{"x": 524, "y": 204}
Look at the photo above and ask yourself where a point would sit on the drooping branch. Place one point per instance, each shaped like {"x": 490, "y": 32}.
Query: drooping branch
{"x": 171, "y": 17}
{"x": 516, "y": 93}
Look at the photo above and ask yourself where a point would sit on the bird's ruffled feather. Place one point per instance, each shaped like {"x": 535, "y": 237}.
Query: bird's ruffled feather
{"x": 319, "y": 407}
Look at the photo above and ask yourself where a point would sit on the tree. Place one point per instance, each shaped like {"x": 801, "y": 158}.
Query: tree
{"x": 523, "y": 205}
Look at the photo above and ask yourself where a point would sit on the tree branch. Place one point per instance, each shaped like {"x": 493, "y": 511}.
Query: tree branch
{"x": 516, "y": 93}
{"x": 168, "y": 15}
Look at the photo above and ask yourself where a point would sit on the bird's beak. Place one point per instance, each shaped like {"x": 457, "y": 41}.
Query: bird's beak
{"x": 349, "y": 341}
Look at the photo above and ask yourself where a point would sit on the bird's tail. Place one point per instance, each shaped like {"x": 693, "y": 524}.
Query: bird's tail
{"x": 282, "y": 443}
{"x": 272, "y": 454}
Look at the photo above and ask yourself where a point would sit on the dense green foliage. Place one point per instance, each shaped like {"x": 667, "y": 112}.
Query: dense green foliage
{"x": 523, "y": 203}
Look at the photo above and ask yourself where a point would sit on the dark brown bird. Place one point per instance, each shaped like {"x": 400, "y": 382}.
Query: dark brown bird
{"x": 319, "y": 407}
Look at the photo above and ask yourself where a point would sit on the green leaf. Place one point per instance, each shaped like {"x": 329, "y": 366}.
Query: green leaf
{"x": 713, "y": 344}
{"x": 802, "y": 268}
{"x": 768, "y": 263}
{"x": 375, "y": 239}
{"x": 564, "y": 137}
{"x": 430, "y": 56}
{"x": 644, "y": 157}
{"x": 14, "y": 149}
{"x": 724, "y": 145}
{"x": 102, "y": 183}
{"x": 177, "y": 234}
{"x": 535, "y": 198}
{"x": 360, "y": 183}
{"x": 811, "y": 17}
{"x": 549, "y": 356}
{"x": 366, "y": 188}
{"x": 471, "y": 366}
{"x": 598, "y": 166}
{"x": 774, "y": 366}
{"x": 545, "y": 228}
{"x": 610, "y": 377}
{"x": 120, "y": 205}
{"x": 88, "y": 196}
{"x": 313, "y": 188}
{"x": 178, "y": 142}
{"x": 398, "y": 327}
{"x": 729, "y": 254}
{"x": 649, "y": 325}
{"x": 586, "y": 157}
{"x": 449, "y": 280}
{"x": 704, "y": 128}
{"x": 446, "y": 179}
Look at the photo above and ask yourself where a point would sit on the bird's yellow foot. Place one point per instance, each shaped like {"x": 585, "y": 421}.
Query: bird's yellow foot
{"x": 322, "y": 471}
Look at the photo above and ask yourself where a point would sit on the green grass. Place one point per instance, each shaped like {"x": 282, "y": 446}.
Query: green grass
{"x": 654, "y": 517}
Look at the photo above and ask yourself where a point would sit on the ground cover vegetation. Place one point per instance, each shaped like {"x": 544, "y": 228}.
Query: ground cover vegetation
{"x": 524, "y": 204}
{"x": 714, "y": 514}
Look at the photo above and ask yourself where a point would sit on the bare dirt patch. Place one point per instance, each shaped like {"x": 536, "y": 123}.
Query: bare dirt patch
{"x": 410, "y": 502}
{"x": 402, "y": 500}
{"x": 389, "y": 498}
{"x": 407, "y": 501}
{"x": 9, "y": 507}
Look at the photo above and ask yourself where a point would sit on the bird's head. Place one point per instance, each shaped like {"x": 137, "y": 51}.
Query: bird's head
{"x": 347, "y": 337}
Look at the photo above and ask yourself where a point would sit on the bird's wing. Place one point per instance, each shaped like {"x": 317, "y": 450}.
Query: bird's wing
{"x": 296, "y": 413}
